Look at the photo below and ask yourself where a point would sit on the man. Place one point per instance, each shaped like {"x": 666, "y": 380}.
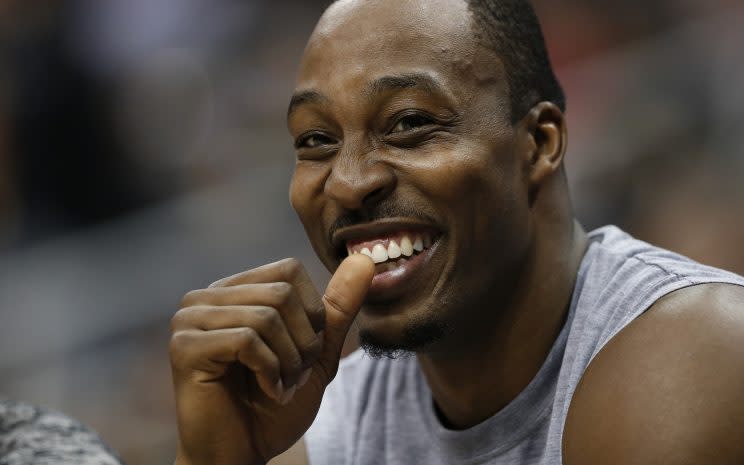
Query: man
{"x": 430, "y": 136}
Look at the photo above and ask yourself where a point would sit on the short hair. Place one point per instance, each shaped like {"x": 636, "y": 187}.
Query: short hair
{"x": 512, "y": 30}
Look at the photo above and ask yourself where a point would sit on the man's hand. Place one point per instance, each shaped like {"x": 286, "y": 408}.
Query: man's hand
{"x": 252, "y": 355}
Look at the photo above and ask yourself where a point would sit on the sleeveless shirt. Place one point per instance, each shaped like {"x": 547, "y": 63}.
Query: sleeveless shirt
{"x": 380, "y": 411}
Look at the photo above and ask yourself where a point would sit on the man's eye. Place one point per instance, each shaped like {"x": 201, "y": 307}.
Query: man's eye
{"x": 312, "y": 141}
{"x": 410, "y": 122}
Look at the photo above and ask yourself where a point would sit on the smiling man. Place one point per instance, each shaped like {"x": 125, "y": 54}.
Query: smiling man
{"x": 430, "y": 140}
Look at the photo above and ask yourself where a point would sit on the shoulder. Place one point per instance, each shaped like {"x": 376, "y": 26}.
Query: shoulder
{"x": 29, "y": 434}
{"x": 668, "y": 388}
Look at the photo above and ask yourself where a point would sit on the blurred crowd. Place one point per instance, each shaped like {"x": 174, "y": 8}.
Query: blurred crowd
{"x": 143, "y": 153}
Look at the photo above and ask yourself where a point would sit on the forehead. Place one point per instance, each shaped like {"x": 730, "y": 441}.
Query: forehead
{"x": 357, "y": 41}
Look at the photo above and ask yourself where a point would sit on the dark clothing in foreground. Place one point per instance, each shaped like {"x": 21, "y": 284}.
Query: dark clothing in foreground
{"x": 31, "y": 435}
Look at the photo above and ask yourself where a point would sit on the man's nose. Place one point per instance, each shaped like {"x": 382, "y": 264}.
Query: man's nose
{"x": 356, "y": 182}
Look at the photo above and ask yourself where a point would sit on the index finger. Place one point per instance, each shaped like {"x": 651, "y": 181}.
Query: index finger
{"x": 289, "y": 270}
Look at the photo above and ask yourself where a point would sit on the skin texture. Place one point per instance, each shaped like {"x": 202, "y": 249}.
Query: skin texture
{"x": 401, "y": 116}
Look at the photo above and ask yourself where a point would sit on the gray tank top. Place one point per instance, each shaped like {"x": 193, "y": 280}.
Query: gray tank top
{"x": 380, "y": 411}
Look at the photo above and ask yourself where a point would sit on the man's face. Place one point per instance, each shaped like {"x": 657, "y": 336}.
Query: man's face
{"x": 401, "y": 125}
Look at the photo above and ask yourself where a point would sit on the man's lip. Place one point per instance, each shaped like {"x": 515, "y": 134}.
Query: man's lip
{"x": 376, "y": 229}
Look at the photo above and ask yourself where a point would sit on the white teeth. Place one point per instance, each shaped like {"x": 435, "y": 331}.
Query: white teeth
{"x": 349, "y": 251}
{"x": 406, "y": 247}
{"x": 418, "y": 244}
{"x": 393, "y": 250}
{"x": 379, "y": 254}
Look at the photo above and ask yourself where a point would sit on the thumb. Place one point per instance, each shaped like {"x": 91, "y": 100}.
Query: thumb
{"x": 342, "y": 300}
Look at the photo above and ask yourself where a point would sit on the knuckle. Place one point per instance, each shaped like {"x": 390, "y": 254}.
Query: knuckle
{"x": 180, "y": 318}
{"x": 269, "y": 318}
{"x": 282, "y": 292}
{"x": 247, "y": 337}
{"x": 175, "y": 321}
{"x": 332, "y": 298}
{"x": 291, "y": 267}
{"x": 177, "y": 348}
{"x": 190, "y": 298}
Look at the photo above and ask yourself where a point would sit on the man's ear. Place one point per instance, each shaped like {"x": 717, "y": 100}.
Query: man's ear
{"x": 545, "y": 128}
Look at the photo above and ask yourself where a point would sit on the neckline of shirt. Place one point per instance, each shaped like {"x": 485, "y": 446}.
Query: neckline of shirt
{"x": 509, "y": 426}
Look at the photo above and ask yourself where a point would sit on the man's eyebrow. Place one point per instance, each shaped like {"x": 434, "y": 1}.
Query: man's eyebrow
{"x": 303, "y": 97}
{"x": 405, "y": 81}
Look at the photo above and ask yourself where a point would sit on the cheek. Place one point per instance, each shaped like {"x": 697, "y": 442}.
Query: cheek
{"x": 303, "y": 187}
{"x": 304, "y": 196}
{"x": 297, "y": 196}
{"x": 478, "y": 189}
{"x": 469, "y": 181}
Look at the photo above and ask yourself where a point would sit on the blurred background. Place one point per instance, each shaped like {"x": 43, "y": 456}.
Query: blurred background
{"x": 143, "y": 153}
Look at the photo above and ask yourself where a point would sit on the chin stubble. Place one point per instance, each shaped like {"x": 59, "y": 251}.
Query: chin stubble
{"x": 417, "y": 337}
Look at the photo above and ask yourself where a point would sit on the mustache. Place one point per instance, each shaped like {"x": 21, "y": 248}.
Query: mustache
{"x": 379, "y": 212}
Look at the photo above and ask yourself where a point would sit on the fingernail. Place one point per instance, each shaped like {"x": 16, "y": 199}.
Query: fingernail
{"x": 279, "y": 390}
{"x": 215, "y": 284}
{"x": 304, "y": 377}
{"x": 288, "y": 395}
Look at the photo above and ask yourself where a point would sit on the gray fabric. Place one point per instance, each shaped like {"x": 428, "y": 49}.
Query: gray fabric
{"x": 380, "y": 411}
{"x": 31, "y": 435}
